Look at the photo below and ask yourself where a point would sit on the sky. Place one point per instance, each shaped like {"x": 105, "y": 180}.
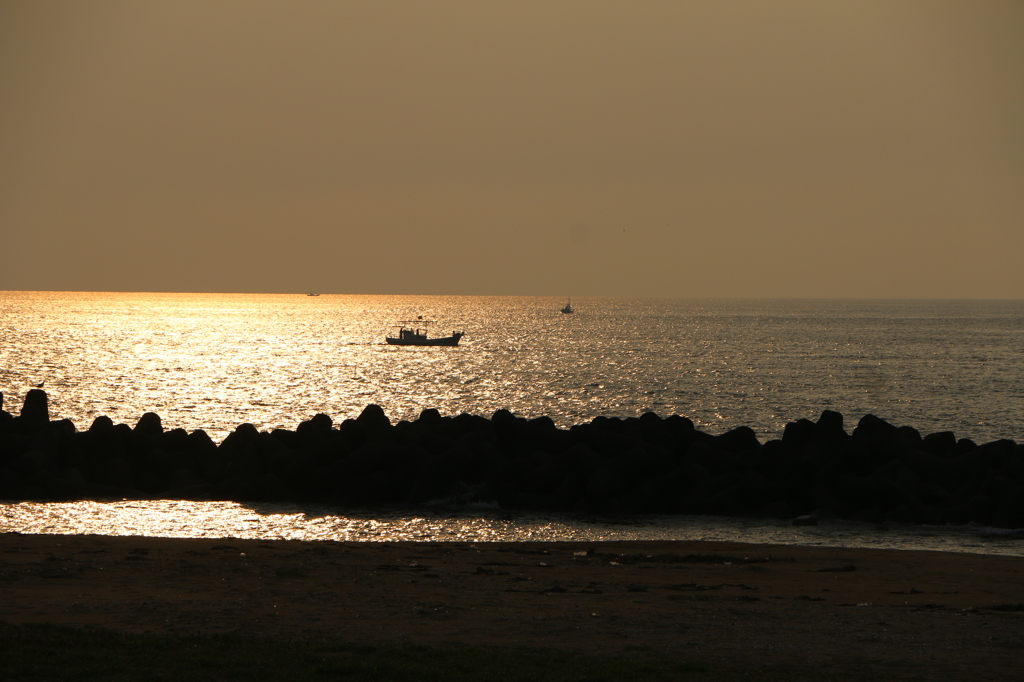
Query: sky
{"x": 718, "y": 148}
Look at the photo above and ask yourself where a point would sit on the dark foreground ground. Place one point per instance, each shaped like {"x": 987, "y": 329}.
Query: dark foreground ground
{"x": 818, "y": 611}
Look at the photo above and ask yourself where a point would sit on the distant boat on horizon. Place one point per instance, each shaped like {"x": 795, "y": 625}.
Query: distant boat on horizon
{"x": 567, "y": 308}
{"x": 312, "y": 294}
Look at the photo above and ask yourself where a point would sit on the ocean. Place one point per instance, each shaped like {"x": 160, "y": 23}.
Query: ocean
{"x": 213, "y": 361}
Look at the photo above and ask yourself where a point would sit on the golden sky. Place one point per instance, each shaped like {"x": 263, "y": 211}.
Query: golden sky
{"x": 594, "y": 147}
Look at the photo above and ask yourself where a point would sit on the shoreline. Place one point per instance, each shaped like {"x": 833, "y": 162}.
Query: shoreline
{"x": 933, "y": 614}
{"x": 217, "y": 520}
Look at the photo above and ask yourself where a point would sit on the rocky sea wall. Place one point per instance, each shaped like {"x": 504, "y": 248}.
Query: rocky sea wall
{"x": 876, "y": 472}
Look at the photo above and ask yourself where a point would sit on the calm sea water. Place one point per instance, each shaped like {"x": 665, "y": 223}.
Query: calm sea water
{"x": 213, "y": 361}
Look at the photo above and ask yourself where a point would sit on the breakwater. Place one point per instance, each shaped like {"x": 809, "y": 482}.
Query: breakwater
{"x": 649, "y": 464}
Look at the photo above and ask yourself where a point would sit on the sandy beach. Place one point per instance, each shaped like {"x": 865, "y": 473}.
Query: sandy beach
{"x": 902, "y": 613}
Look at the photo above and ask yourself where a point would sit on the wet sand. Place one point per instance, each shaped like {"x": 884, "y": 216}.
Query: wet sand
{"x": 933, "y": 615}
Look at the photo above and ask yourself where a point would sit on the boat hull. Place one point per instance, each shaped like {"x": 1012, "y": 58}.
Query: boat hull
{"x": 452, "y": 340}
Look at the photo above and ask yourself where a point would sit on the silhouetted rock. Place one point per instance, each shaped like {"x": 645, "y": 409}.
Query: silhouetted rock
{"x": 315, "y": 428}
{"x": 101, "y": 424}
{"x": 740, "y": 439}
{"x": 713, "y": 457}
{"x": 631, "y": 465}
{"x": 200, "y": 444}
{"x": 65, "y": 428}
{"x": 995, "y": 454}
{"x": 870, "y": 425}
{"x": 175, "y": 440}
{"x": 829, "y": 428}
{"x": 149, "y": 424}
{"x": 373, "y": 416}
{"x": 797, "y": 434}
{"x": 859, "y": 491}
{"x": 754, "y": 491}
{"x": 909, "y": 436}
{"x": 35, "y": 411}
{"x": 942, "y": 444}
{"x": 430, "y": 415}
{"x": 465, "y": 423}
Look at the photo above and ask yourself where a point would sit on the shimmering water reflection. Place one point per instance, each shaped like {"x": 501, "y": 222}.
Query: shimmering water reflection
{"x": 214, "y": 361}
{"x": 185, "y": 519}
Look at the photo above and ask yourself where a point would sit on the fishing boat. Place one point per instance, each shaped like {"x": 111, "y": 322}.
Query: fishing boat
{"x": 414, "y": 333}
{"x": 567, "y": 308}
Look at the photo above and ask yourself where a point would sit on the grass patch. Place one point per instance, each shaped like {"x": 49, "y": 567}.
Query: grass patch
{"x": 51, "y": 652}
